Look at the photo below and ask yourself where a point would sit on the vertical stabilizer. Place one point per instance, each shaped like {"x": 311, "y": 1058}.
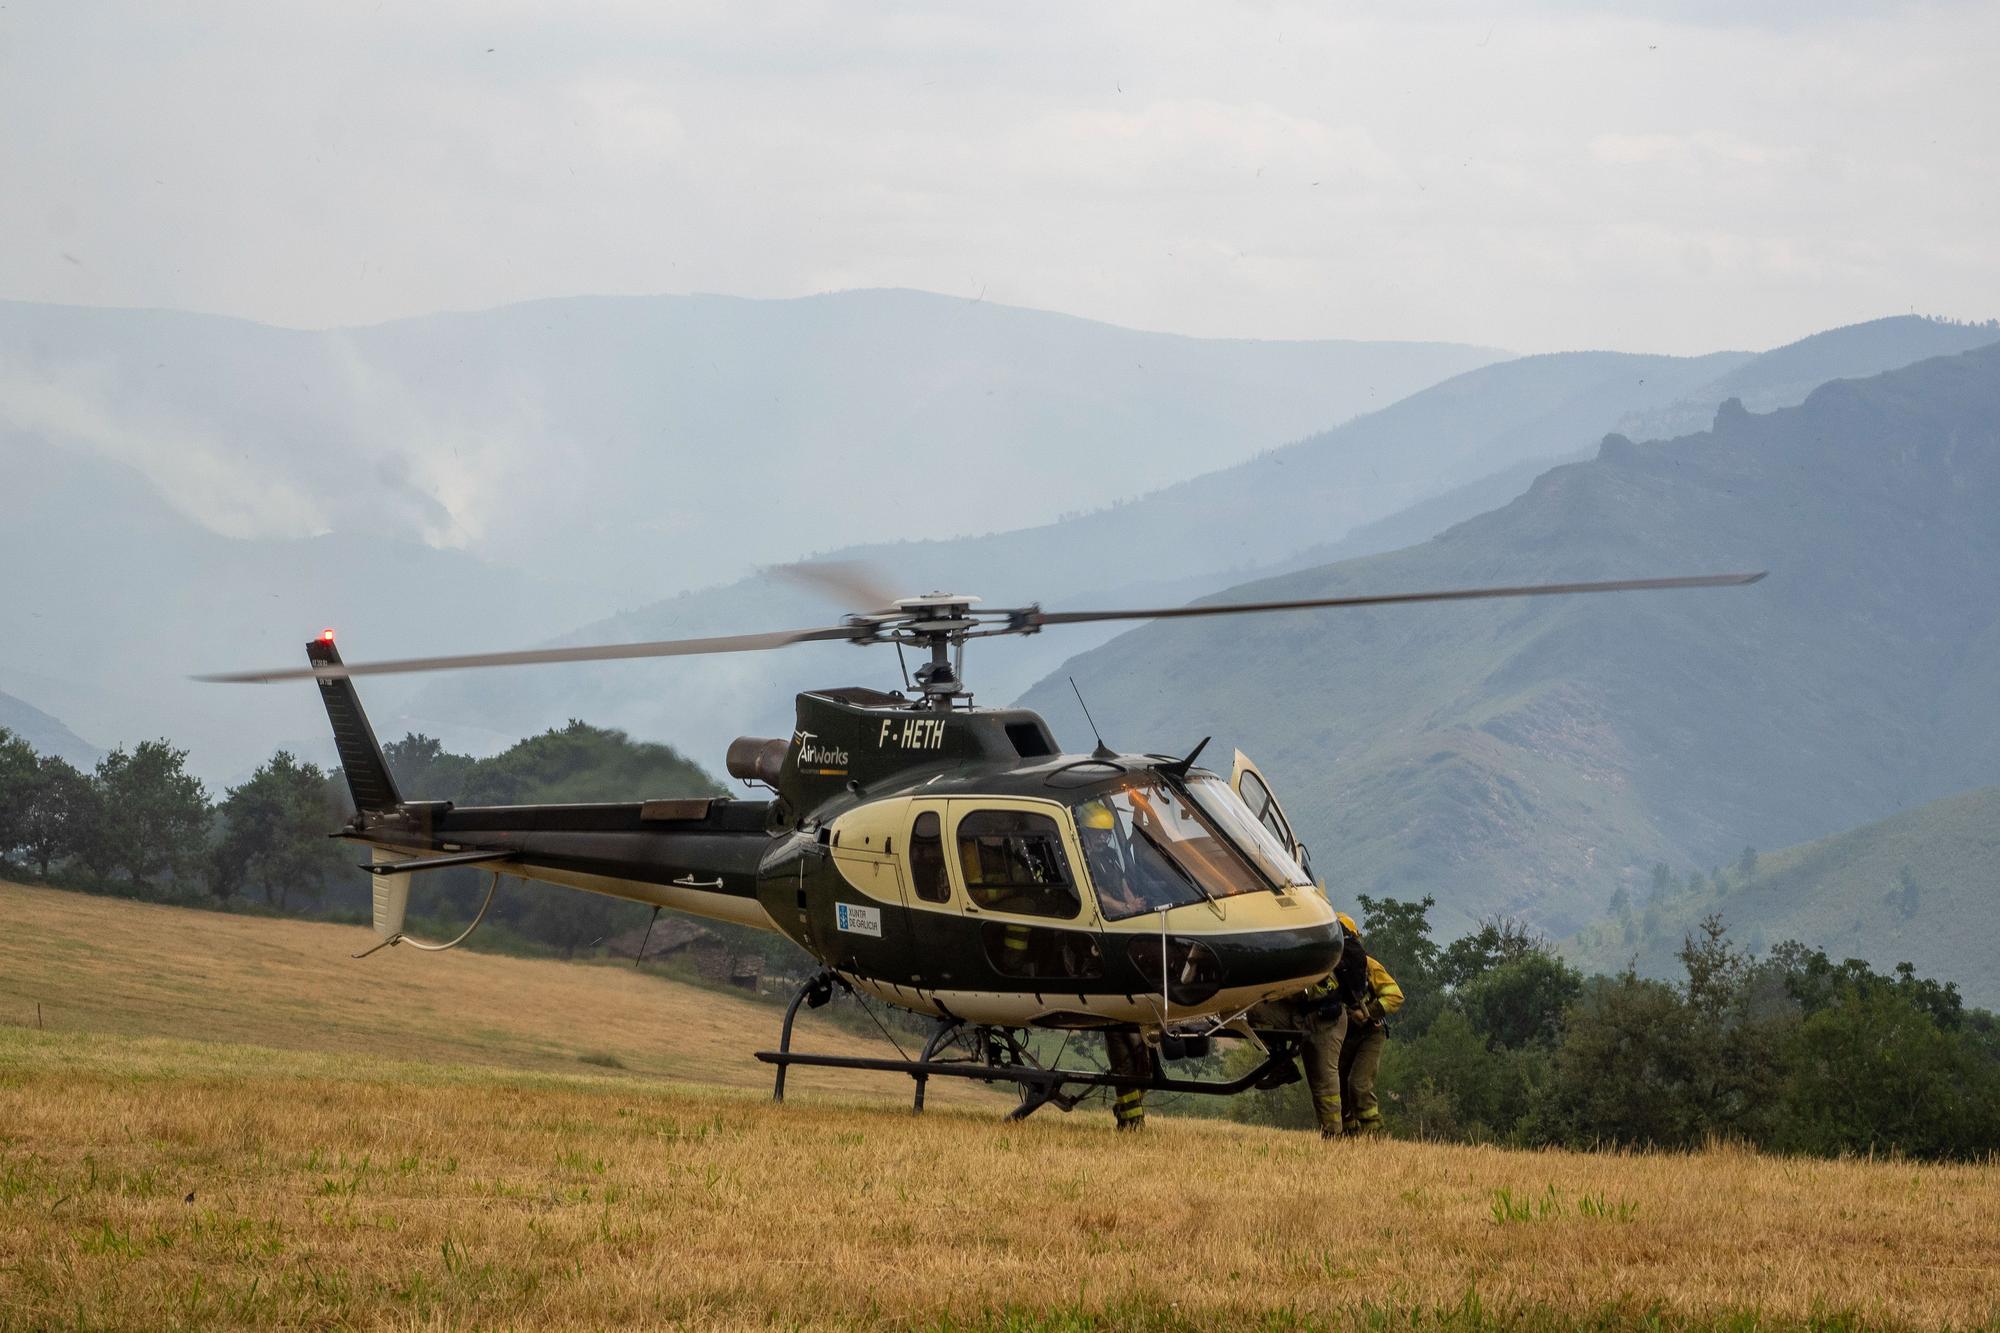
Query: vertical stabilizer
{"x": 368, "y": 777}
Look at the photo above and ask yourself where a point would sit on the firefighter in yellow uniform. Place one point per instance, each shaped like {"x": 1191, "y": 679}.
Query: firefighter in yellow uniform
{"x": 1125, "y": 1052}
{"x": 1319, "y": 1014}
{"x": 1372, "y": 1002}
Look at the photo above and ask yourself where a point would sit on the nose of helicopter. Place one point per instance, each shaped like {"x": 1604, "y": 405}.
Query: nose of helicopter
{"x": 1284, "y": 949}
{"x": 1288, "y": 956}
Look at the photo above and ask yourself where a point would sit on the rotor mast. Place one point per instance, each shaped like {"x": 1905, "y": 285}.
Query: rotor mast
{"x": 937, "y": 623}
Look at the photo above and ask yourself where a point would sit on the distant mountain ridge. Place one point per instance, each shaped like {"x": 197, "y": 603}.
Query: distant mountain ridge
{"x": 1389, "y": 479}
{"x": 1532, "y": 757}
{"x": 194, "y": 492}
{"x": 46, "y": 734}
{"x": 1159, "y": 549}
{"x": 659, "y": 443}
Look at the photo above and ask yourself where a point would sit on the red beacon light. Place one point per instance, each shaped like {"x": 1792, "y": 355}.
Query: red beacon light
{"x": 326, "y": 636}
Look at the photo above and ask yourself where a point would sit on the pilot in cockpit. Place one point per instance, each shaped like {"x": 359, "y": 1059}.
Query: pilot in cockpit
{"x": 1097, "y": 829}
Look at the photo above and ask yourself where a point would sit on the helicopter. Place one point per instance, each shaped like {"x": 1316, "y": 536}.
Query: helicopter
{"x": 943, "y": 858}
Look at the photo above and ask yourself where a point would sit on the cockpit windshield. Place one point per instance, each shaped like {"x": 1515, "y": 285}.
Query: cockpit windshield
{"x": 1149, "y": 847}
{"x": 1226, "y": 808}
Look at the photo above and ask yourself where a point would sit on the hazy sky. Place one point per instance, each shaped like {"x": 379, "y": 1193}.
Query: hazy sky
{"x": 1643, "y": 176}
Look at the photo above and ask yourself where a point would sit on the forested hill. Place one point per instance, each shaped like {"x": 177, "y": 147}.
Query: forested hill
{"x": 1532, "y": 757}
{"x": 1921, "y": 887}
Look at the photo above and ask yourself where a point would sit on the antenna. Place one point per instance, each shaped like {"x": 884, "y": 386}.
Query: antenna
{"x": 1102, "y": 751}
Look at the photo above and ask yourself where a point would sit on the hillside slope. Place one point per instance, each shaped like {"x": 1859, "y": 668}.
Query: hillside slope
{"x": 78, "y": 963}
{"x": 46, "y": 734}
{"x": 1921, "y": 887}
{"x": 1529, "y": 757}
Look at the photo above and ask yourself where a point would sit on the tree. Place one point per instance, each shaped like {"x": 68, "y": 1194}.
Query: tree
{"x": 1876, "y": 1071}
{"x": 153, "y": 813}
{"x": 1621, "y": 1072}
{"x": 61, "y": 813}
{"x": 1500, "y": 940}
{"x": 274, "y": 831}
{"x": 1715, "y": 969}
{"x": 1653, "y": 924}
{"x": 1662, "y": 883}
{"x": 228, "y": 865}
{"x": 1746, "y": 865}
{"x": 426, "y": 771}
{"x": 1398, "y": 935}
{"x": 579, "y": 762}
{"x": 1448, "y": 1083}
{"x": 1521, "y": 1002}
{"x": 568, "y": 919}
{"x": 17, "y": 786}
{"x": 1733, "y": 1066}
{"x": 1816, "y": 982}
{"x": 1908, "y": 895}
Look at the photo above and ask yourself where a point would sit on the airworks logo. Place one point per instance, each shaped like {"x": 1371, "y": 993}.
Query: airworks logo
{"x": 814, "y": 755}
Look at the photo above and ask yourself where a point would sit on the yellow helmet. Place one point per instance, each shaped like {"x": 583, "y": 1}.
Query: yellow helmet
{"x": 1347, "y": 923}
{"x": 1097, "y": 815}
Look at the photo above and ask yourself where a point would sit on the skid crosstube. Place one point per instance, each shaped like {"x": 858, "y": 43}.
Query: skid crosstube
{"x": 1282, "y": 1051}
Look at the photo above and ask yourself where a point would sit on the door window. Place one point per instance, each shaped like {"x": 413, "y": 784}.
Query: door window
{"x": 1258, "y": 797}
{"x": 927, "y": 859}
{"x": 1013, "y": 862}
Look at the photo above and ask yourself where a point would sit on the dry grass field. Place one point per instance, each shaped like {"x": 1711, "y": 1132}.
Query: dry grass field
{"x": 261, "y": 1177}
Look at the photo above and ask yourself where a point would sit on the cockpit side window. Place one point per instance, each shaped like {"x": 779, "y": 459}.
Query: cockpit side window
{"x": 1013, "y": 862}
{"x": 1130, "y": 871}
{"x": 927, "y": 859}
{"x": 1151, "y": 845}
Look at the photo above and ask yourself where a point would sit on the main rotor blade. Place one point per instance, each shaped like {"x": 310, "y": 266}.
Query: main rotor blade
{"x": 855, "y": 585}
{"x": 1389, "y": 598}
{"x": 726, "y": 643}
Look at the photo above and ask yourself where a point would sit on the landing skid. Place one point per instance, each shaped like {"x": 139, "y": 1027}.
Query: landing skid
{"x": 1000, "y": 1055}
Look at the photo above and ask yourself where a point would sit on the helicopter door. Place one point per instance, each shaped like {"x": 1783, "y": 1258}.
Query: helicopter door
{"x": 1256, "y": 793}
{"x": 943, "y": 955}
{"x": 1017, "y": 868}
{"x": 866, "y": 915}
